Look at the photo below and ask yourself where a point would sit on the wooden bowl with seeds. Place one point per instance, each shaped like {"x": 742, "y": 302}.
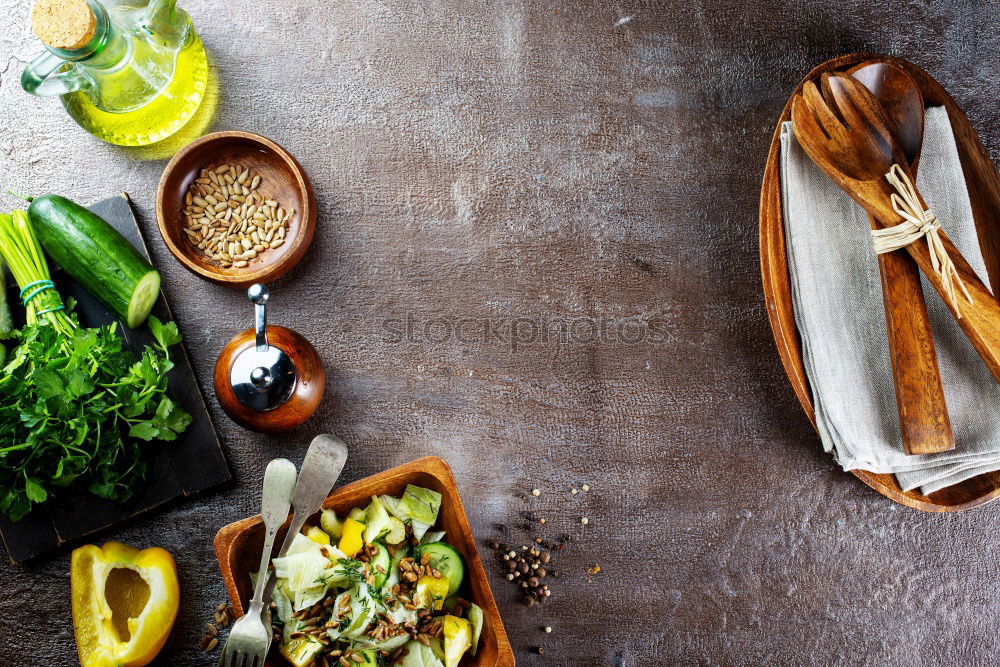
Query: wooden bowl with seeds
{"x": 236, "y": 208}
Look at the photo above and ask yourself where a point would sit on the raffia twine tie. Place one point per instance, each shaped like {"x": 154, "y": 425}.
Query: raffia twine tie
{"x": 917, "y": 224}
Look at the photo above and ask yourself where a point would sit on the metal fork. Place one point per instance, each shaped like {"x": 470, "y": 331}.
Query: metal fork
{"x": 250, "y": 638}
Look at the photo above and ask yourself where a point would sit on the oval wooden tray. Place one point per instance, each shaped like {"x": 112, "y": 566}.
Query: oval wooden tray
{"x": 984, "y": 191}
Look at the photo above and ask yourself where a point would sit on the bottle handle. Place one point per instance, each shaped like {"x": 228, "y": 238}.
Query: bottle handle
{"x": 40, "y": 77}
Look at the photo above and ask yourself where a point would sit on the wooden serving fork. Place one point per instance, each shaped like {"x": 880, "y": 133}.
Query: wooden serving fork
{"x": 842, "y": 127}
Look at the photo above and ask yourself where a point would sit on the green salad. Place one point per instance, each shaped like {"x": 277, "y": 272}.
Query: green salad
{"x": 377, "y": 587}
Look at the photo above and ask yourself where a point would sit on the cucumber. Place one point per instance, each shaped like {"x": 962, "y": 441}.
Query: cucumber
{"x": 96, "y": 256}
{"x": 368, "y": 657}
{"x": 333, "y": 526}
{"x": 445, "y": 559}
{"x": 382, "y": 558}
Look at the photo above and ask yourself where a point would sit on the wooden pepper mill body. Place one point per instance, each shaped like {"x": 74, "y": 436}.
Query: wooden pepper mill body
{"x": 268, "y": 378}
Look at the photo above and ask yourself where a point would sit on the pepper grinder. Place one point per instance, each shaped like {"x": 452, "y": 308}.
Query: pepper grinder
{"x": 268, "y": 378}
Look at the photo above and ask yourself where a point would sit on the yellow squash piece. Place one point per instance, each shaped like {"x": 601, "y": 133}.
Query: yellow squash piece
{"x": 457, "y": 639}
{"x": 318, "y": 535}
{"x": 430, "y": 592}
{"x": 124, "y": 603}
{"x": 350, "y": 539}
{"x": 301, "y": 652}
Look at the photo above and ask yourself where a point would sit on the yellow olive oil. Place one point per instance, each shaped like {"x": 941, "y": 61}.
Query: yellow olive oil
{"x": 162, "y": 116}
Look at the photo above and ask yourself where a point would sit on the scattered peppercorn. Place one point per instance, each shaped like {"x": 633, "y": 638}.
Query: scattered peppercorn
{"x": 528, "y": 566}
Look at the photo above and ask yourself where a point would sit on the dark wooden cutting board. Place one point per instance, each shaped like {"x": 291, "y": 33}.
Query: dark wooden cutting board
{"x": 193, "y": 463}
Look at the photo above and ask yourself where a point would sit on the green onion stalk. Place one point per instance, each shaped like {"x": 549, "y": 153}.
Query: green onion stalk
{"x": 6, "y": 324}
{"x": 20, "y": 248}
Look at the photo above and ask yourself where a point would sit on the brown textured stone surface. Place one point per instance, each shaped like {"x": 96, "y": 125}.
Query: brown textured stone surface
{"x": 562, "y": 163}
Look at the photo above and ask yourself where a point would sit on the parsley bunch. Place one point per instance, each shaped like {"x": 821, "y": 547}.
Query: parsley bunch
{"x": 75, "y": 403}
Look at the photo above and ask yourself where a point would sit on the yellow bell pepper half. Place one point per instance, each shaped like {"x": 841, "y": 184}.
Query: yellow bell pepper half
{"x": 124, "y": 603}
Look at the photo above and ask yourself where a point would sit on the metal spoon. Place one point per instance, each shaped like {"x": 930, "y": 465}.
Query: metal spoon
{"x": 321, "y": 468}
{"x": 923, "y": 413}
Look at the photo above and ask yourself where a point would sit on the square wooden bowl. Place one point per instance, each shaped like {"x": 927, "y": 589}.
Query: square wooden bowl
{"x": 238, "y": 545}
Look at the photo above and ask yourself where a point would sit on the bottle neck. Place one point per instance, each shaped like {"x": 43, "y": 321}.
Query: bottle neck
{"x": 105, "y": 49}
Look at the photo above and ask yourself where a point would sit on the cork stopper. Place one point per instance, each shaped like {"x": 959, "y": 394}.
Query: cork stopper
{"x": 63, "y": 24}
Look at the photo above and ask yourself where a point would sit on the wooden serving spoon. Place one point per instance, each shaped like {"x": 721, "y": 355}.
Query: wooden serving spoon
{"x": 846, "y": 133}
{"x": 923, "y": 413}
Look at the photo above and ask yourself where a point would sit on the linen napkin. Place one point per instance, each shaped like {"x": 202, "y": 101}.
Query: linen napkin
{"x": 837, "y": 299}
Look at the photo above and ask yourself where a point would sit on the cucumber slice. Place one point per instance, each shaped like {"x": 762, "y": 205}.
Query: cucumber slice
{"x": 369, "y": 657}
{"x": 445, "y": 559}
{"x": 381, "y": 558}
{"x": 333, "y": 526}
{"x": 96, "y": 256}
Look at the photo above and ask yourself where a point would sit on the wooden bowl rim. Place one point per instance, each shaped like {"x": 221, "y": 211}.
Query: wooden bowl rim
{"x": 225, "y": 539}
{"x": 268, "y": 272}
{"x": 782, "y": 320}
